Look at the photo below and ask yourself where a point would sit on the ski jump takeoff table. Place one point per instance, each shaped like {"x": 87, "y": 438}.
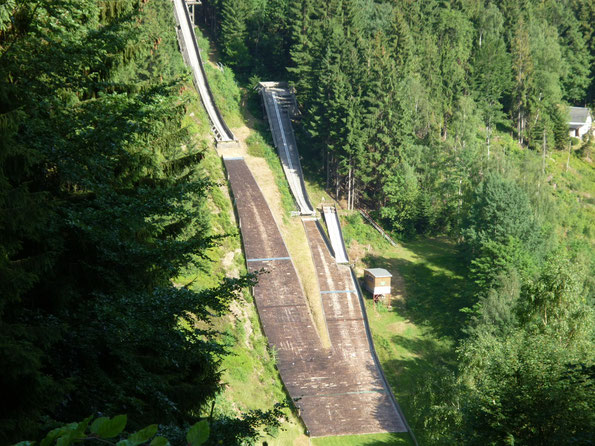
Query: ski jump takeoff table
{"x": 338, "y": 391}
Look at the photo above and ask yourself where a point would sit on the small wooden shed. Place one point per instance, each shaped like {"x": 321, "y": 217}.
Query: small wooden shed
{"x": 377, "y": 281}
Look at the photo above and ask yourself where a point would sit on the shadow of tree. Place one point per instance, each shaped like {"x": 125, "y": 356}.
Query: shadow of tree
{"x": 311, "y": 157}
{"x": 391, "y": 440}
{"x": 433, "y": 297}
{"x": 434, "y": 293}
{"x": 405, "y": 374}
{"x": 412, "y": 378}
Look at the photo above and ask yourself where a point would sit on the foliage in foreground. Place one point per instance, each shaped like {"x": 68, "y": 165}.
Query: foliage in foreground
{"x": 104, "y": 430}
{"x": 102, "y": 204}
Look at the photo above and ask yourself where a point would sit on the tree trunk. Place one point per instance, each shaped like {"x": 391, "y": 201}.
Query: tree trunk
{"x": 519, "y": 126}
{"x": 460, "y": 196}
{"x": 336, "y": 175}
{"x": 328, "y": 168}
{"x": 544, "y": 149}
{"x": 445, "y": 128}
{"x": 349, "y": 187}
{"x": 489, "y": 134}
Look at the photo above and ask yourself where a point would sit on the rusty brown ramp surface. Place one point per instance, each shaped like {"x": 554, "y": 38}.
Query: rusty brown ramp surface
{"x": 337, "y": 391}
{"x": 280, "y": 302}
{"x": 373, "y": 409}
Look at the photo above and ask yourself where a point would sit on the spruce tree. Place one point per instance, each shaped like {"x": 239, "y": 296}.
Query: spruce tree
{"x": 234, "y": 15}
{"x": 102, "y": 204}
{"x": 491, "y": 70}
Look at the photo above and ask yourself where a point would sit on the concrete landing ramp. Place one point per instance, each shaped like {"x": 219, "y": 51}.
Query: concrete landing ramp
{"x": 279, "y": 104}
{"x": 279, "y": 298}
{"x": 337, "y": 391}
{"x": 334, "y": 230}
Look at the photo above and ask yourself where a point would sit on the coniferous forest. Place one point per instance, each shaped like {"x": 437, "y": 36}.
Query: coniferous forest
{"x": 440, "y": 118}
{"x": 102, "y": 204}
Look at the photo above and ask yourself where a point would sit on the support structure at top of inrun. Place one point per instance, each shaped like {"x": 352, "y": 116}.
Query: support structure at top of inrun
{"x": 279, "y": 103}
{"x": 335, "y": 234}
{"x": 191, "y": 54}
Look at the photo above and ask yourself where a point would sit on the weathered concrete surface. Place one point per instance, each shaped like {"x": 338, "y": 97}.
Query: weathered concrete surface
{"x": 337, "y": 391}
{"x": 351, "y": 346}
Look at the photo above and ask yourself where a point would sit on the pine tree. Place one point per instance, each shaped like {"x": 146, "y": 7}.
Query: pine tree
{"x": 455, "y": 40}
{"x": 577, "y": 58}
{"x": 545, "y": 93}
{"x": 306, "y": 48}
{"x": 491, "y": 70}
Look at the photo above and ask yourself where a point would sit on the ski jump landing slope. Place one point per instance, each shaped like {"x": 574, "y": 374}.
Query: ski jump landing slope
{"x": 189, "y": 47}
{"x": 278, "y": 101}
{"x": 335, "y": 234}
{"x": 337, "y": 391}
{"x": 371, "y": 407}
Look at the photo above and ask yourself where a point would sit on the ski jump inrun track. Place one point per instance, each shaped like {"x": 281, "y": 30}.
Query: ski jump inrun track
{"x": 339, "y": 390}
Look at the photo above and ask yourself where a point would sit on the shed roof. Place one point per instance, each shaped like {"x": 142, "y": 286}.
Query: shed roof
{"x": 578, "y": 115}
{"x": 379, "y": 272}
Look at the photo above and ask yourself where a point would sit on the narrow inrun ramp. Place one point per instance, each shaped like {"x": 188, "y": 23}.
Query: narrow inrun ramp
{"x": 279, "y": 104}
{"x": 191, "y": 53}
{"x": 337, "y": 391}
{"x": 334, "y": 231}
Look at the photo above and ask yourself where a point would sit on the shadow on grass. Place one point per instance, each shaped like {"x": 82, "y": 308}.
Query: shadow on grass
{"x": 254, "y": 116}
{"x": 435, "y": 292}
{"x": 407, "y": 375}
{"x": 420, "y": 381}
{"x": 401, "y": 439}
{"x": 253, "y": 110}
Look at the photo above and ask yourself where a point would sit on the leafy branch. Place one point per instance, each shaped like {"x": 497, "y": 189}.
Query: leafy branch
{"x": 110, "y": 431}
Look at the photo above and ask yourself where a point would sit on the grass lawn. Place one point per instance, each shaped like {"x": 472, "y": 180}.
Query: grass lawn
{"x": 574, "y": 191}
{"x": 416, "y": 337}
{"x": 364, "y": 440}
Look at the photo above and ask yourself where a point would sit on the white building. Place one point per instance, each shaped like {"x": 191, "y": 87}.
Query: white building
{"x": 580, "y": 121}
